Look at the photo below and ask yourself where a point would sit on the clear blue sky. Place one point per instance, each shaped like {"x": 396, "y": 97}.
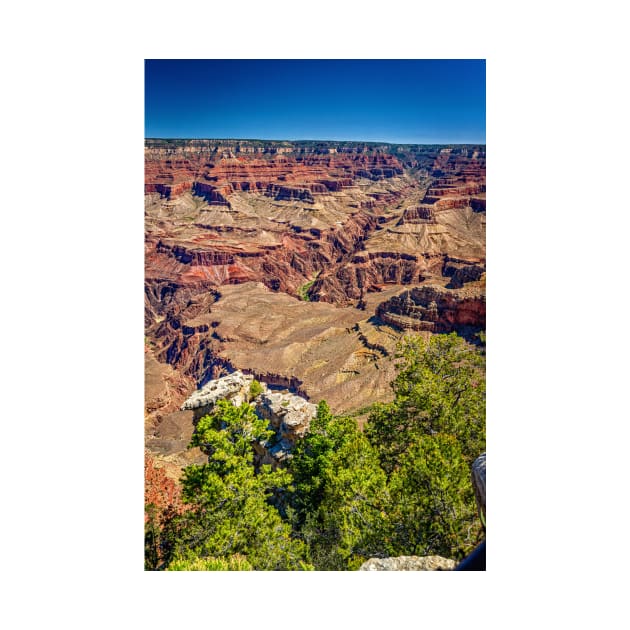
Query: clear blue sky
{"x": 413, "y": 101}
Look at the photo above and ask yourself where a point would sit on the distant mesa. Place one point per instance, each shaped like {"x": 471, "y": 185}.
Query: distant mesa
{"x": 215, "y": 172}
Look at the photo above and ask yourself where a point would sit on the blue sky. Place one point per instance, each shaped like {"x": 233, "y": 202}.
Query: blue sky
{"x": 413, "y": 101}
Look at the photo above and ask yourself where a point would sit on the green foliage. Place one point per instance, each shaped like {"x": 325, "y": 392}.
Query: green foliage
{"x": 227, "y": 435}
{"x": 158, "y": 537}
{"x": 401, "y": 487}
{"x": 340, "y": 493}
{"x": 427, "y": 439}
{"x": 309, "y": 459}
{"x": 151, "y": 539}
{"x": 192, "y": 563}
{"x": 439, "y": 389}
{"x": 304, "y": 289}
{"x": 433, "y": 506}
{"x": 255, "y": 389}
{"x": 230, "y": 502}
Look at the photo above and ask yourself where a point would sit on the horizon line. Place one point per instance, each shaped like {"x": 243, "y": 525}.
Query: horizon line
{"x": 305, "y": 140}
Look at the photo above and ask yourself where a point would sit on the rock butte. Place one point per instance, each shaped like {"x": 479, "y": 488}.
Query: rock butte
{"x": 301, "y": 264}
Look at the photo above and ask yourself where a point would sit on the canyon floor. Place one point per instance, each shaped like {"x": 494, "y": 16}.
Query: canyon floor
{"x": 303, "y": 264}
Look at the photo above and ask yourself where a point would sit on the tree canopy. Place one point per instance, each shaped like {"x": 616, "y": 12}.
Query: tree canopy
{"x": 440, "y": 388}
{"x": 401, "y": 486}
{"x": 230, "y": 509}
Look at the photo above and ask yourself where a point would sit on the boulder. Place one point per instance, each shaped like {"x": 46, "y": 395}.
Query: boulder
{"x": 233, "y": 387}
{"x": 289, "y": 416}
{"x": 409, "y": 563}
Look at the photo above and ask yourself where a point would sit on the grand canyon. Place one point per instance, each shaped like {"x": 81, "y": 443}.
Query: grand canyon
{"x": 302, "y": 264}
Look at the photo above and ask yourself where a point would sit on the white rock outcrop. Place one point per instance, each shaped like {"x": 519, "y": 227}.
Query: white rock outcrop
{"x": 409, "y": 563}
{"x": 233, "y": 387}
{"x": 289, "y": 415}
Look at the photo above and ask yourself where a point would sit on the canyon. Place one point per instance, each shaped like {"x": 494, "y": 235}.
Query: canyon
{"x": 302, "y": 265}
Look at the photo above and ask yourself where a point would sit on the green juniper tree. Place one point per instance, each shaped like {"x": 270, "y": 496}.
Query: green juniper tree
{"x": 230, "y": 511}
{"x": 440, "y": 388}
{"x": 433, "y": 506}
{"x": 340, "y": 493}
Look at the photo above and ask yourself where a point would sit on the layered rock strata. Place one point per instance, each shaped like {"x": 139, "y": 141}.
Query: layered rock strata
{"x": 280, "y": 177}
{"x": 283, "y": 259}
{"x": 435, "y": 309}
{"x": 309, "y": 348}
{"x": 240, "y": 234}
{"x": 222, "y": 214}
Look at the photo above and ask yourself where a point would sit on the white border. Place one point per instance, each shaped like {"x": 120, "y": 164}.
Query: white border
{"x": 557, "y": 142}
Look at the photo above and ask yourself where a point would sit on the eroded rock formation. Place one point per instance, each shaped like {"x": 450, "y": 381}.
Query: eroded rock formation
{"x": 217, "y": 176}
{"x": 233, "y": 387}
{"x": 289, "y": 415}
{"x": 435, "y": 309}
{"x": 291, "y": 262}
{"x": 161, "y": 493}
{"x": 312, "y": 349}
{"x": 409, "y": 563}
{"x": 217, "y": 213}
{"x": 462, "y": 272}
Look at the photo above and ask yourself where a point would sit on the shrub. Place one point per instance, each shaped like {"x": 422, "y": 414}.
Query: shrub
{"x": 255, "y": 389}
{"x": 192, "y": 563}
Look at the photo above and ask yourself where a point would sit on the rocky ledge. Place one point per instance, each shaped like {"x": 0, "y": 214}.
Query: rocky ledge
{"x": 409, "y": 563}
{"x": 233, "y": 387}
{"x": 289, "y": 415}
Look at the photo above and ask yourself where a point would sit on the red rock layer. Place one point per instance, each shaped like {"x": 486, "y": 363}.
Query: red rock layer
{"x": 460, "y": 182}
{"x": 160, "y": 492}
{"x": 180, "y": 274}
{"x": 282, "y": 267}
{"x": 182, "y": 279}
{"x": 423, "y": 213}
{"x": 435, "y": 309}
{"x": 368, "y": 272}
{"x": 217, "y": 178}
